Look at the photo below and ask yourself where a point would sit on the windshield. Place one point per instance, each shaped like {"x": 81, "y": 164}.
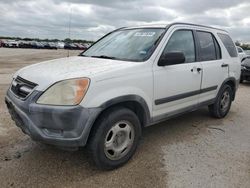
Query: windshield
{"x": 129, "y": 44}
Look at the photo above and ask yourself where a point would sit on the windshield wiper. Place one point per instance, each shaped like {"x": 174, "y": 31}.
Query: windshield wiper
{"x": 103, "y": 56}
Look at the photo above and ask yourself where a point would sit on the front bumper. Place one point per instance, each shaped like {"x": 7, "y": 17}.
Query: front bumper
{"x": 66, "y": 126}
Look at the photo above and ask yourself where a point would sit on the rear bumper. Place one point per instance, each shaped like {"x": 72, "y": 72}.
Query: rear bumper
{"x": 66, "y": 126}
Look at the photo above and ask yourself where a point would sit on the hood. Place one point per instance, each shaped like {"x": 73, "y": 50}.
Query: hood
{"x": 49, "y": 72}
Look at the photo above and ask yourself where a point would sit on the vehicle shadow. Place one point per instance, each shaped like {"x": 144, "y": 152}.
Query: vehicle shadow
{"x": 246, "y": 83}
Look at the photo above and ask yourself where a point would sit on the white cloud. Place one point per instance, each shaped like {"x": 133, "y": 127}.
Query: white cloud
{"x": 94, "y": 18}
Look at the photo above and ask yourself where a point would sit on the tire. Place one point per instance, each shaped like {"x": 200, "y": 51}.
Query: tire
{"x": 114, "y": 139}
{"x": 221, "y": 107}
{"x": 241, "y": 80}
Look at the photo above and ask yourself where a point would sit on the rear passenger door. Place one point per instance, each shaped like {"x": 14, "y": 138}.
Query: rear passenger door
{"x": 214, "y": 69}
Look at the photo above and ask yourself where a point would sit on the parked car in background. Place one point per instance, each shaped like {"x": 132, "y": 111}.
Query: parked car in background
{"x": 245, "y": 70}
{"x": 53, "y": 45}
{"x": 43, "y": 45}
{"x": 242, "y": 54}
{"x": 80, "y": 46}
{"x": 37, "y": 45}
{"x": 70, "y": 46}
{"x": 87, "y": 45}
{"x": 50, "y": 45}
{"x": 46, "y": 45}
{"x": 1, "y": 43}
{"x": 247, "y": 52}
{"x": 60, "y": 45}
{"x": 25, "y": 44}
{"x": 75, "y": 46}
{"x": 11, "y": 44}
{"x": 104, "y": 97}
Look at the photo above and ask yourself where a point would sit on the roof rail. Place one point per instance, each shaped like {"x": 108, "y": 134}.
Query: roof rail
{"x": 191, "y": 24}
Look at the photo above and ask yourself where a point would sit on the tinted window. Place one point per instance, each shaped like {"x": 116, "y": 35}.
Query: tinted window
{"x": 209, "y": 48}
{"x": 182, "y": 41}
{"x": 229, "y": 45}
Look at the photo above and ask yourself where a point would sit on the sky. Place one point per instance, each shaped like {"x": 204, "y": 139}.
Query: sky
{"x": 91, "y": 19}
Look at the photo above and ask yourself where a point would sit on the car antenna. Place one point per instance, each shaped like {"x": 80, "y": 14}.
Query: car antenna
{"x": 70, "y": 16}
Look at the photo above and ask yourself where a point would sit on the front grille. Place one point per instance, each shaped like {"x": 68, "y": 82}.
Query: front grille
{"x": 21, "y": 87}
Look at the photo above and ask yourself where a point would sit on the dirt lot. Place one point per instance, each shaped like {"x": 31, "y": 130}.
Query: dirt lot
{"x": 193, "y": 150}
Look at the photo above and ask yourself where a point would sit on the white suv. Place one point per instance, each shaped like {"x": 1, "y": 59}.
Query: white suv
{"x": 129, "y": 79}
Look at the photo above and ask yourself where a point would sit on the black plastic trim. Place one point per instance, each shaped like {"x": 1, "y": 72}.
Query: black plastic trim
{"x": 180, "y": 112}
{"x": 184, "y": 95}
{"x": 236, "y": 84}
{"x": 208, "y": 89}
{"x": 129, "y": 98}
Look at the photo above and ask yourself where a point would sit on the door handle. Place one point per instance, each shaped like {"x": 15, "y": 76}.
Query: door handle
{"x": 198, "y": 69}
{"x": 224, "y": 65}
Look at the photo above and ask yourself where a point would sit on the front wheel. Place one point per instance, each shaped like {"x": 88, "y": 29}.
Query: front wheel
{"x": 223, "y": 102}
{"x": 115, "y": 138}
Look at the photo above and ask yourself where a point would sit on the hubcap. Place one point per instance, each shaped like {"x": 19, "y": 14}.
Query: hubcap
{"x": 119, "y": 140}
{"x": 225, "y": 101}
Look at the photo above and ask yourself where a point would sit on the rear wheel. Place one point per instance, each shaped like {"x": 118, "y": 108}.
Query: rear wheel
{"x": 223, "y": 102}
{"x": 115, "y": 138}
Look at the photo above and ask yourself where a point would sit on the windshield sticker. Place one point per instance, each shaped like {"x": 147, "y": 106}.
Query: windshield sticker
{"x": 144, "y": 34}
{"x": 143, "y": 52}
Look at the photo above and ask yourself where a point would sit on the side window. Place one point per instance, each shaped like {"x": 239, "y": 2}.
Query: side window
{"x": 182, "y": 41}
{"x": 229, "y": 45}
{"x": 209, "y": 47}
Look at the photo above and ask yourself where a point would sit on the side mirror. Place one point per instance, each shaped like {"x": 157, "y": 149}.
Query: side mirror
{"x": 172, "y": 58}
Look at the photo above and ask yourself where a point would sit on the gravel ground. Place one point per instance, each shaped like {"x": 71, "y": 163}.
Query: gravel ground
{"x": 193, "y": 150}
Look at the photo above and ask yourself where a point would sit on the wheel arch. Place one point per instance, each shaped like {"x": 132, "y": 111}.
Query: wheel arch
{"x": 133, "y": 102}
{"x": 232, "y": 82}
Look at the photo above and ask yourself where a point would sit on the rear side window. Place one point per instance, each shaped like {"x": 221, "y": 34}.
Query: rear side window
{"x": 229, "y": 45}
{"x": 182, "y": 41}
{"x": 209, "y": 47}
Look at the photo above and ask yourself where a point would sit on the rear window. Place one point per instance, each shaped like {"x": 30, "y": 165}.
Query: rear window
{"x": 229, "y": 44}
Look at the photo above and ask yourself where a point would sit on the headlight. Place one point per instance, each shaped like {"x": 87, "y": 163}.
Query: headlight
{"x": 67, "y": 92}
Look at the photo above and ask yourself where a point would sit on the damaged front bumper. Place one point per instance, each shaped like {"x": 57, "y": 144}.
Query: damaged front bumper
{"x": 66, "y": 126}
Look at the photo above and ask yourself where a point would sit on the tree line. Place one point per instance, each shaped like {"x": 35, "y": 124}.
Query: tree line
{"x": 243, "y": 45}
